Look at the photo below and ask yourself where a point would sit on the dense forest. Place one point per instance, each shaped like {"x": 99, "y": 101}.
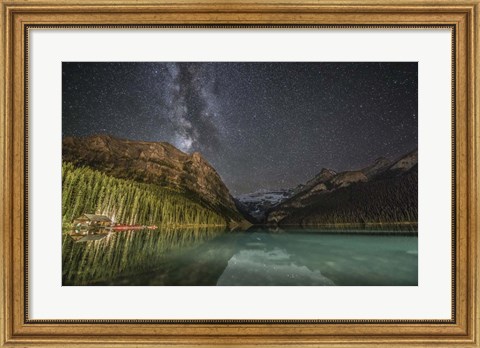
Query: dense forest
{"x": 85, "y": 190}
{"x": 389, "y": 200}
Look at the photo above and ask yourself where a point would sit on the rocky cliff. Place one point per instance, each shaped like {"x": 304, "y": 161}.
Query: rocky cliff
{"x": 158, "y": 163}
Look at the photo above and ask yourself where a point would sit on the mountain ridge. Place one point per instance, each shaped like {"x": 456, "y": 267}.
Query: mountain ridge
{"x": 333, "y": 195}
{"x": 158, "y": 163}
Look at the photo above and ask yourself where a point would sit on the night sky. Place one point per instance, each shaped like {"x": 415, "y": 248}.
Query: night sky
{"x": 261, "y": 125}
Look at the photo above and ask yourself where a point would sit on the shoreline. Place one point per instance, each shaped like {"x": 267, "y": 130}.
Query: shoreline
{"x": 349, "y": 224}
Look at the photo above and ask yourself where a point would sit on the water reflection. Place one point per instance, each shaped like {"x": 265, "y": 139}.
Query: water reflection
{"x": 213, "y": 256}
{"x": 316, "y": 257}
{"x": 269, "y": 267}
{"x": 127, "y": 252}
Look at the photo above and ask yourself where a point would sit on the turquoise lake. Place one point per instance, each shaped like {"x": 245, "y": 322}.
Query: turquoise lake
{"x": 257, "y": 257}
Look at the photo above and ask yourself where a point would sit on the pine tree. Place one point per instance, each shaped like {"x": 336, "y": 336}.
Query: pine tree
{"x": 85, "y": 190}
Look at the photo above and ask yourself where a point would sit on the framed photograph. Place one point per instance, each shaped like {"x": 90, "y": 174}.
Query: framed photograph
{"x": 240, "y": 173}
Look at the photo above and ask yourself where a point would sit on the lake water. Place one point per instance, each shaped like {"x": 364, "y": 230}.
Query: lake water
{"x": 213, "y": 256}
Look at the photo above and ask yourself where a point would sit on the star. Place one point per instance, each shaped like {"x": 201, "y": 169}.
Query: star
{"x": 259, "y": 124}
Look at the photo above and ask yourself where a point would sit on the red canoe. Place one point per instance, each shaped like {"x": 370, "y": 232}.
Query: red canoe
{"x": 132, "y": 227}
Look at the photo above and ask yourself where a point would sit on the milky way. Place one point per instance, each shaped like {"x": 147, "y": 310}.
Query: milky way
{"x": 261, "y": 125}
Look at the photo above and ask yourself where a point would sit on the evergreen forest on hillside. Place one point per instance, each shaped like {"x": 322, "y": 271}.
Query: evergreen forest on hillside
{"x": 85, "y": 190}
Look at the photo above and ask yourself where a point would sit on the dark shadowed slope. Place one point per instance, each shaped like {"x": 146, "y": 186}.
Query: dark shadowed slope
{"x": 381, "y": 193}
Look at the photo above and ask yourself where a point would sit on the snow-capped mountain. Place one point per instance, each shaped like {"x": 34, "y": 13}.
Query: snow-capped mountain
{"x": 256, "y": 203}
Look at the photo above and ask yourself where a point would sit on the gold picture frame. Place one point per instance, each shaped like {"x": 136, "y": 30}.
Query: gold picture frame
{"x": 19, "y": 16}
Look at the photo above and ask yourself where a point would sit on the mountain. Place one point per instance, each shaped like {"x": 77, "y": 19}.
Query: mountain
{"x": 254, "y": 205}
{"x": 157, "y": 163}
{"x": 380, "y": 165}
{"x": 384, "y": 192}
{"x": 405, "y": 163}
